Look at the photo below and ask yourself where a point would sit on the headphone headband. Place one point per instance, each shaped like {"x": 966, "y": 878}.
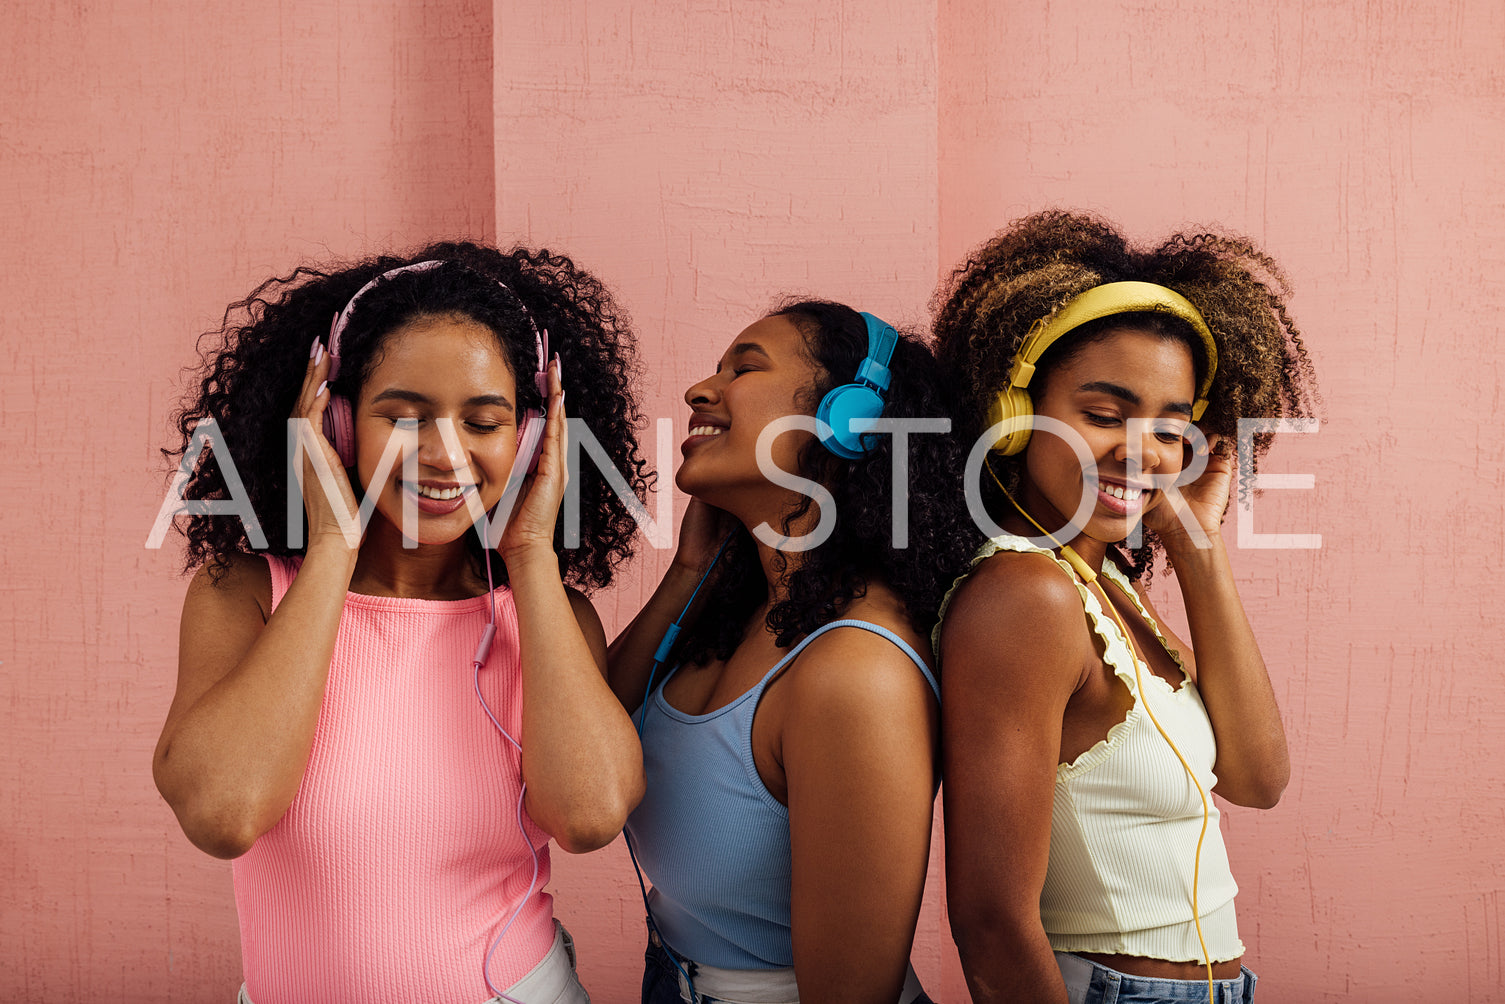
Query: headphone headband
{"x": 881, "y": 339}
{"x": 1105, "y": 301}
{"x": 339, "y": 420}
{"x": 342, "y": 319}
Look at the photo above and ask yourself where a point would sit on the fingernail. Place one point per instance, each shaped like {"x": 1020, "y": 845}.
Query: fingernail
{"x": 559, "y": 367}
{"x": 313, "y": 348}
{"x": 322, "y": 384}
{"x": 319, "y": 357}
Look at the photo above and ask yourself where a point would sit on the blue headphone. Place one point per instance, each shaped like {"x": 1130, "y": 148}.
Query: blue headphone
{"x": 862, "y": 399}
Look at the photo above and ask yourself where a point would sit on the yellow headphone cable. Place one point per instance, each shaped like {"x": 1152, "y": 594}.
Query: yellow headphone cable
{"x": 1089, "y": 578}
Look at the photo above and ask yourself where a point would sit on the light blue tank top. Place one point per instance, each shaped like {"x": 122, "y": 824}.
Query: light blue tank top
{"x": 708, "y": 834}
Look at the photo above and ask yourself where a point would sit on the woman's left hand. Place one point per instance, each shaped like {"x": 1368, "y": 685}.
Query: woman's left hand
{"x": 1202, "y": 502}
{"x": 530, "y": 526}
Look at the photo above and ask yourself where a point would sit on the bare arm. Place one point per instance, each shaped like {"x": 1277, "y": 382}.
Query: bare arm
{"x": 1015, "y": 649}
{"x": 1253, "y": 764}
{"x": 630, "y": 656}
{"x": 250, "y": 684}
{"x": 858, "y": 749}
{"x": 581, "y": 758}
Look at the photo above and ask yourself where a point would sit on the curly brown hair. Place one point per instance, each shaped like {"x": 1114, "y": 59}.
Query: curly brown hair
{"x": 252, "y": 370}
{"x": 1032, "y": 268}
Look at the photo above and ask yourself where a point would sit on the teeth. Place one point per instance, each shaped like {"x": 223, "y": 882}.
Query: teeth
{"x": 1126, "y": 494}
{"x": 443, "y": 494}
{"x": 705, "y": 430}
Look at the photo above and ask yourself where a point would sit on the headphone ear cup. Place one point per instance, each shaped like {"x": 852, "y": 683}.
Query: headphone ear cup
{"x": 529, "y": 443}
{"x": 1012, "y": 405}
{"x": 339, "y": 428}
{"x": 838, "y": 409}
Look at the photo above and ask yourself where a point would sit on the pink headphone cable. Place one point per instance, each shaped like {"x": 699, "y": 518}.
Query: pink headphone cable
{"x": 483, "y": 649}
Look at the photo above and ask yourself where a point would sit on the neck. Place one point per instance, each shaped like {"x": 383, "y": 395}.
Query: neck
{"x": 1035, "y": 504}
{"x": 777, "y": 564}
{"x": 428, "y": 571}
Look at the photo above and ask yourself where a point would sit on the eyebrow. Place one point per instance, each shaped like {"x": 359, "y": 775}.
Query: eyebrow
{"x": 1125, "y": 394}
{"x": 413, "y": 397}
{"x": 742, "y": 348}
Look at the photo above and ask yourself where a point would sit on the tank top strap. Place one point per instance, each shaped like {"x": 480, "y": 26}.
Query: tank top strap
{"x": 876, "y": 629}
{"x": 1116, "y": 650}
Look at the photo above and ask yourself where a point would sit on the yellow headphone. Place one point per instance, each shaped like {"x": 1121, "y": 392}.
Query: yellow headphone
{"x": 1013, "y": 405}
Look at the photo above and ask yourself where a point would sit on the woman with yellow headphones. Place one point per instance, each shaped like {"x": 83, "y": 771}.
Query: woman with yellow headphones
{"x": 1103, "y": 385}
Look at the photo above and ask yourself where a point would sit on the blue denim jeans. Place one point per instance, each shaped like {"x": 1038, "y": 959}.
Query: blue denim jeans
{"x": 1088, "y": 982}
{"x": 661, "y": 979}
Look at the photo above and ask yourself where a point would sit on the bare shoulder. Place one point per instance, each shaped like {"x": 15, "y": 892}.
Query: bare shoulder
{"x": 1011, "y": 592}
{"x": 862, "y": 672}
{"x": 1017, "y": 620}
{"x": 232, "y": 587}
{"x": 582, "y": 607}
{"x": 590, "y": 624}
{"x": 224, "y": 612}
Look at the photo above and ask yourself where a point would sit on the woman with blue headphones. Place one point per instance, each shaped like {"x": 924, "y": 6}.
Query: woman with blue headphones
{"x": 790, "y": 732}
{"x": 1103, "y": 386}
{"x": 384, "y": 715}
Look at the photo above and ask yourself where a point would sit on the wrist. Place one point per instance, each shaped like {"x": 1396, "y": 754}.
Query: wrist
{"x": 331, "y": 548}
{"x": 1190, "y": 556}
{"x": 525, "y": 557}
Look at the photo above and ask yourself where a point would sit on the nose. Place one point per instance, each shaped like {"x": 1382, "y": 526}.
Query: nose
{"x": 441, "y": 447}
{"x": 707, "y": 391}
{"x": 1151, "y": 456}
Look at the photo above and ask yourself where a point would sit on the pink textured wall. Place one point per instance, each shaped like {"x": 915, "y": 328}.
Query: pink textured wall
{"x": 157, "y": 160}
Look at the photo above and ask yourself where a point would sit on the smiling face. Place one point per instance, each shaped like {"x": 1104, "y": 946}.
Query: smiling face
{"x": 429, "y": 370}
{"x": 1124, "y": 374}
{"x": 764, "y": 375}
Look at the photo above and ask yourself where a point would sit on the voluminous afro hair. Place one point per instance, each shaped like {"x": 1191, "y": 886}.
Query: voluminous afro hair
{"x": 1032, "y": 268}
{"x": 254, "y": 366}
{"x": 859, "y": 551}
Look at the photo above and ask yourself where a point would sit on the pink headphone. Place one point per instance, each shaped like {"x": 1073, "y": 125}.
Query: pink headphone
{"x": 339, "y": 417}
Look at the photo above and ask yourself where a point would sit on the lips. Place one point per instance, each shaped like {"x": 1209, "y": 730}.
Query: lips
{"x": 438, "y": 498}
{"x": 1120, "y": 497}
{"x": 703, "y": 428}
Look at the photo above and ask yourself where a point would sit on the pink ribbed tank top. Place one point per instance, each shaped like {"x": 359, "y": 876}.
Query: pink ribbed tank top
{"x": 400, "y": 858}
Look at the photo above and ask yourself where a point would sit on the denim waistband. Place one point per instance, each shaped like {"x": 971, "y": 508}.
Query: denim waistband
{"x": 1089, "y": 982}
{"x": 754, "y": 986}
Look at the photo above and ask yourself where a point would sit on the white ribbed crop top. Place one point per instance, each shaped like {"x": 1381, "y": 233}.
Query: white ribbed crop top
{"x": 1125, "y": 817}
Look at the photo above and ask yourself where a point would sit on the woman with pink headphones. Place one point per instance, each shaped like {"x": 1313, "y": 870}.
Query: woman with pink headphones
{"x": 385, "y": 724}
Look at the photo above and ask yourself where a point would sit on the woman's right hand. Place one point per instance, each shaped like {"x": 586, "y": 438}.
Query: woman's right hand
{"x": 323, "y": 512}
{"x": 701, "y": 534}
{"x": 631, "y": 656}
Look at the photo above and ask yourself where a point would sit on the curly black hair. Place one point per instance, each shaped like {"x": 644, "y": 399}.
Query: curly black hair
{"x": 859, "y": 551}
{"x": 254, "y": 366}
{"x": 1032, "y": 268}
